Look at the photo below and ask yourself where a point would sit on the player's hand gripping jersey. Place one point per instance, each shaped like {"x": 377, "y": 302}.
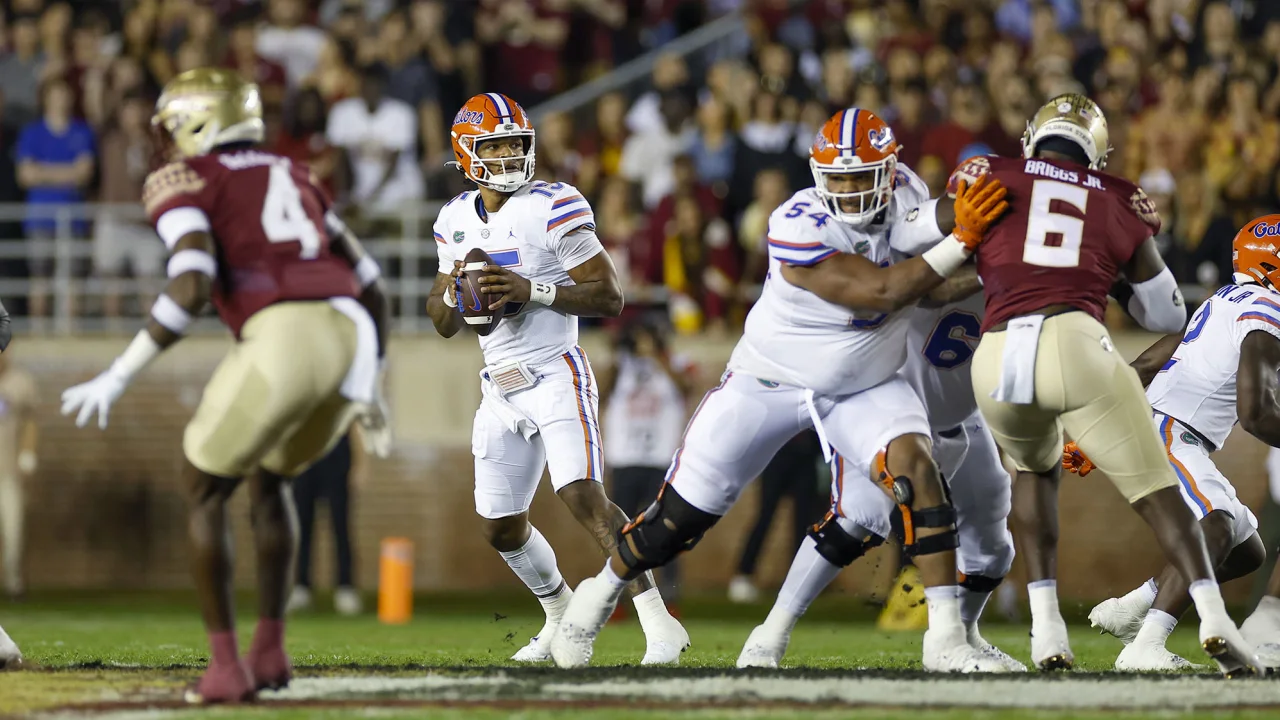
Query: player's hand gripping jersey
{"x": 534, "y": 236}
{"x": 795, "y": 337}
{"x": 268, "y": 221}
{"x": 1068, "y": 232}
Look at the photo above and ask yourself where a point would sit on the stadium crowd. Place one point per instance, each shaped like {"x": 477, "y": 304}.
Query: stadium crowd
{"x": 683, "y": 173}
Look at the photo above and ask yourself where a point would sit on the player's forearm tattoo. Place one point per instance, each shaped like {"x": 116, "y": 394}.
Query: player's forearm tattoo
{"x": 595, "y": 298}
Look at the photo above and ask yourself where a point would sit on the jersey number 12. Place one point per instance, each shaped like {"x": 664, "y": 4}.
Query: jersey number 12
{"x": 1043, "y": 223}
{"x": 283, "y": 217}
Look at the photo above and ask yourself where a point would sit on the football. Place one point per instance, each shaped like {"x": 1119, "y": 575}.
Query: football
{"x": 474, "y": 301}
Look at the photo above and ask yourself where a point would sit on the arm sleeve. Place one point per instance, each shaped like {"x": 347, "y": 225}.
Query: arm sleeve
{"x": 917, "y": 230}
{"x": 1157, "y": 304}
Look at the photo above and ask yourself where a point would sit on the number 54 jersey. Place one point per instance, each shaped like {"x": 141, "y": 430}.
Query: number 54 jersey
{"x": 267, "y": 220}
{"x": 793, "y": 336}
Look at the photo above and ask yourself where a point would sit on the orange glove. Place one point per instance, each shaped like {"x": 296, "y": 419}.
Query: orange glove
{"x": 1075, "y": 461}
{"x": 978, "y": 207}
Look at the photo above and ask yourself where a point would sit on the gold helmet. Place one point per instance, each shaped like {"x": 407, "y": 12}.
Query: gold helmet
{"x": 1076, "y": 118}
{"x": 204, "y": 108}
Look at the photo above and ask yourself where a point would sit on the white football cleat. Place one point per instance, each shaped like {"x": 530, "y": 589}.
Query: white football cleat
{"x": 1050, "y": 646}
{"x": 1261, "y": 627}
{"x": 299, "y": 599}
{"x": 539, "y": 648}
{"x": 764, "y": 649}
{"x": 593, "y": 601}
{"x": 979, "y": 643}
{"x": 10, "y": 655}
{"x": 346, "y": 601}
{"x": 1120, "y": 617}
{"x": 1220, "y": 638}
{"x": 1269, "y": 655}
{"x": 948, "y": 651}
{"x": 1148, "y": 657}
{"x": 665, "y": 638}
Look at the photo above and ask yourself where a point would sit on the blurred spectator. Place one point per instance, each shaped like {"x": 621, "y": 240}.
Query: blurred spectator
{"x": 644, "y": 391}
{"x": 1162, "y": 189}
{"x": 445, "y": 35}
{"x": 243, "y": 57}
{"x": 669, "y": 73}
{"x": 766, "y": 141}
{"x": 55, "y": 165}
{"x": 794, "y": 472}
{"x": 18, "y": 461}
{"x": 303, "y": 138}
{"x": 21, "y": 70}
{"x": 331, "y": 480}
{"x": 600, "y": 146}
{"x": 771, "y": 191}
{"x": 589, "y": 48}
{"x": 714, "y": 146}
{"x": 623, "y": 232}
{"x": 698, "y": 269}
{"x": 122, "y": 240}
{"x": 967, "y": 122}
{"x": 1014, "y": 17}
{"x": 685, "y": 176}
{"x": 1244, "y": 149}
{"x": 334, "y": 75}
{"x": 377, "y": 136}
{"x": 647, "y": 156}
{"x": 523, "y": 40}
{"x": 288, "y": 39}
{"x": 412, "y": 82}
{"x": 558, "y": 157}
{"x": 907, "y": 118}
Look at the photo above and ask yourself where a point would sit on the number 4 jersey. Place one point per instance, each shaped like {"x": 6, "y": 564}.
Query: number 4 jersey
{"x": 1068, "y": 231}
{"x": 267, "y": 220}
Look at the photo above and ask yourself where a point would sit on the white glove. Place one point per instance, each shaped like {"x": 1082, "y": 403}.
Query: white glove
{"x": 375, "y": 419}
{"x": 95, "y": 396}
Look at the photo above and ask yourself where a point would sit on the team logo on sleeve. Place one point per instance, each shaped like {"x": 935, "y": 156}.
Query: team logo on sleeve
{"x": 459, "y": 236}
{"x": 862, "y": 247}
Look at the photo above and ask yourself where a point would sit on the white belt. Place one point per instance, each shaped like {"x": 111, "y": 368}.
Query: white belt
{"x": 361, "y": 382}
{"x": 1018, "y": 364}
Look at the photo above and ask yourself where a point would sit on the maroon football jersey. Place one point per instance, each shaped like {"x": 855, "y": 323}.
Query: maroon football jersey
{"x": 1068, "y": 232}
{"x": 267, "y": 220}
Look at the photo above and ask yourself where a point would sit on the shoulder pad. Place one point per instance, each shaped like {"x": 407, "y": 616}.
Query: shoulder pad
{"x": 167, "y": 183}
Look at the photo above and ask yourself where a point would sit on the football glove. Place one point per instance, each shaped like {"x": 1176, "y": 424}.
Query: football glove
{"x": 1075, "y": 461}
{"x": 978, "y": 207}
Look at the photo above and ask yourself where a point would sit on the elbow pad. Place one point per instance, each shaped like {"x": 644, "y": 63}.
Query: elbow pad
{"x": 1157, "y": 304}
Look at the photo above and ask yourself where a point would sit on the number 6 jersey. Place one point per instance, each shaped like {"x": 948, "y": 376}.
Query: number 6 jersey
{"x": 267, "y": 221}
{"x": 795, "y": 337}
{"x": 1068, "y": 231}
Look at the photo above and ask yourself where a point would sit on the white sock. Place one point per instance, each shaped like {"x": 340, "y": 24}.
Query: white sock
{"x": 1043, "y": 595}
{"x": 1208, "y": 599}
{"x": 809, "y": 575}
{"x": 1156, "y": 628}
{"x": 944, "y": 607}
{"x": 535, "y": 565}
{"x": 650, "y": 607}
{"x": 972, "y": 603}
{"x": 610, "y": 578}
{"x": 1144, "y": 593}
{"x": 1268, "y": 605}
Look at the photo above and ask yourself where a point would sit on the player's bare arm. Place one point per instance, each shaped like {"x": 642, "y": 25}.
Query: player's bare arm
{"x": 856, "y": 283}
{"x": 1153, "y": 358}
{"x": 1258, "y": 387}
{"x": 444, "y": 316}
{"x": 187, "y": 293}
{"x": 1157, "y": 302}
{"x": 373, "y": 293}
{"x": 963, "y": 283}
{"x": 595, "y": 291}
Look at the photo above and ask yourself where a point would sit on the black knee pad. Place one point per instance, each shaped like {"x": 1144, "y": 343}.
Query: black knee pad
{"x": 665, "y": 529}
{"x": 980, "y": 583}
{"x": 941, "y": 516}
{"x": 836, "y": 545}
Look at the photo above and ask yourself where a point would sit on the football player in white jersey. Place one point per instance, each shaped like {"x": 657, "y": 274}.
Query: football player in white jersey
{"x": 822, "y": 349}
{"x": 940, "y": 343}
{"x": 1220, "y": 371}
{"x": 540, "y": 403}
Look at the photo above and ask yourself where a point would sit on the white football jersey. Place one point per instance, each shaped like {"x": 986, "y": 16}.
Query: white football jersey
{"x": 792, "y": 336}
{"x": 531, "y": 236}
{"x": 645, "y": 416}
{"x": 940, "y": 343}
{"x": 1197, "y": 387}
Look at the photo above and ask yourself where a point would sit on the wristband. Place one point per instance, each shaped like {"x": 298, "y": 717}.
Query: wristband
{"x": 542, "y": 293}
{"x": 947, "y": 256}
{"x": 450, "y": 295}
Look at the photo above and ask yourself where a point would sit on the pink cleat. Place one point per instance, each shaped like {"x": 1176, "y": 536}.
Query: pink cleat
{"x": 223, "y": 683}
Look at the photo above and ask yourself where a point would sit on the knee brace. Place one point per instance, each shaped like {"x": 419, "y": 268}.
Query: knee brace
{"x": 940, "y": 516}
{"x": 979, "y": 583}
{"x": 839, "y": 546}
{"x": 665, "y": 529}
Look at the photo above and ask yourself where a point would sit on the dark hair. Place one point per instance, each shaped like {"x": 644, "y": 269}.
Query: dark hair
{"x": 1062, "y": 146}
{"x": 649, "y": 323}
{"x": 375, "y": 71}
{"x": 293, "y": 119}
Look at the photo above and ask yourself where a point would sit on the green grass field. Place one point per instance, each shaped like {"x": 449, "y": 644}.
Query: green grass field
{"x": 114, "y": 655}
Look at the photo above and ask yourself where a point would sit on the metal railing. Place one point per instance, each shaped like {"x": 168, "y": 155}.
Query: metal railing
{"x": 57, "y": 251}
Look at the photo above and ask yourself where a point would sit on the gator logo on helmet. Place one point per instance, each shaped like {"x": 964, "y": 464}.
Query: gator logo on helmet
{"x": 468, "y": 117}
{"x": 880, "y": 138}
{"x": 820, "y": 142}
